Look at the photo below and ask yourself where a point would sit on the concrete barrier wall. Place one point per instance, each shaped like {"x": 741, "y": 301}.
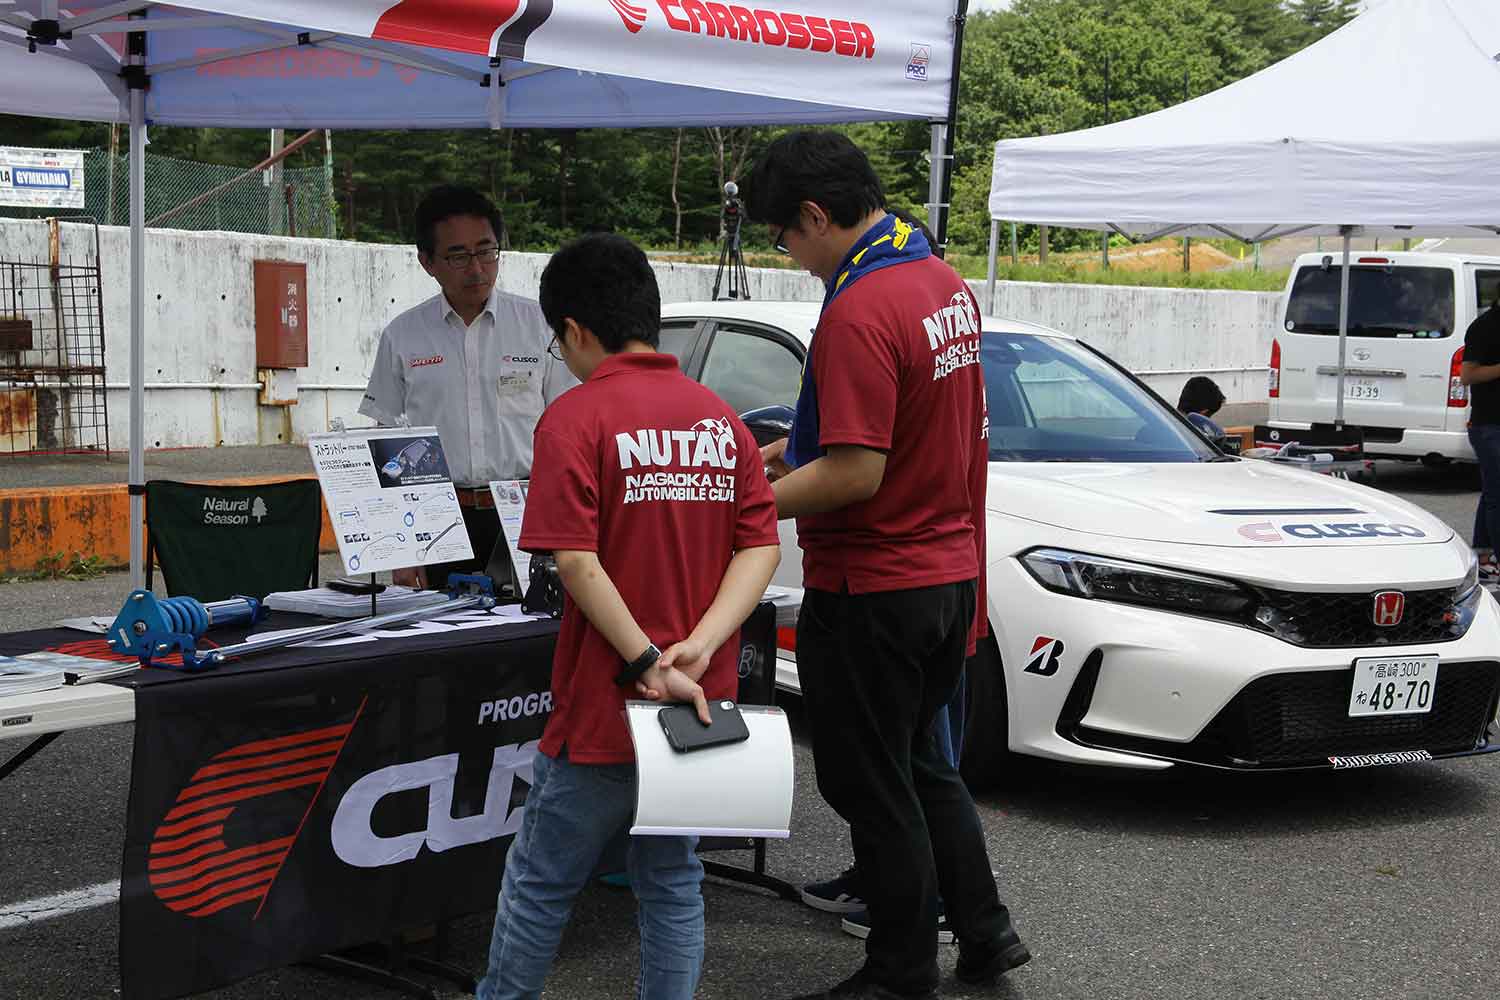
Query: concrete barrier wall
{"x": 200, "y": 336}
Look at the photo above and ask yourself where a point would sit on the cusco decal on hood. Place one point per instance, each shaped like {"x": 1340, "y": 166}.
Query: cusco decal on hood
{"x": 1237, "y": 504}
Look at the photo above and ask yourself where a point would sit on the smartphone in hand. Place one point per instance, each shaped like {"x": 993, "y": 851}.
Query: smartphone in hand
{"x": 686, "y": 732}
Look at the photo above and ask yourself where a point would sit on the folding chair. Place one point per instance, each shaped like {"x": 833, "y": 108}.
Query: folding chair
{"x": 215, "y": 541}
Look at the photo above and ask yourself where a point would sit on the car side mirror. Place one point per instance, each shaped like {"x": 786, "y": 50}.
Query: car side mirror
{"x": 769, "y": 423}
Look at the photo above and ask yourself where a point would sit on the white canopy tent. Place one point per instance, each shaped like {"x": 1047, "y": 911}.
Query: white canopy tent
{"x": 1384, "y": 127}
{"x": 463, "y": 64}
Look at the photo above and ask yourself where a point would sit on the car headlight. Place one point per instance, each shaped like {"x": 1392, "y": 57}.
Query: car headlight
{"x": 1104, "y": 579}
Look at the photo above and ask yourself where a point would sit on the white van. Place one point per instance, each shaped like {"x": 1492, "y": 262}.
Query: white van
{"x": 1407, "y": 317}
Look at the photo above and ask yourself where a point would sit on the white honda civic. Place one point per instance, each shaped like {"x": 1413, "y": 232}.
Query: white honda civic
{"x": 1154, "y": 602}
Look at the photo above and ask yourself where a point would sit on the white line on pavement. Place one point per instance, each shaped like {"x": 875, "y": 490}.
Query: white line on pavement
{"x": 33, "y": 911}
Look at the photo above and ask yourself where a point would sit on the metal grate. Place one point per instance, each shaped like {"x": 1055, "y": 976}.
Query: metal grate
{"x": 1303, "y": 718}
{"x": 1334, "y": 620}
{"x": 52, "y": 393}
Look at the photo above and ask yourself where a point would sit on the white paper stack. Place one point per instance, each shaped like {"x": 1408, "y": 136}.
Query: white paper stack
{"x": 19, "y": 677}
{"x": 788, "y": 601}
{"x": 337, "y": 604}
{"x": 79, "y": 669}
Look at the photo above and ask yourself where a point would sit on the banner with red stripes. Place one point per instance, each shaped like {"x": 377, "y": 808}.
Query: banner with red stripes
{"x": 279, "y": 814}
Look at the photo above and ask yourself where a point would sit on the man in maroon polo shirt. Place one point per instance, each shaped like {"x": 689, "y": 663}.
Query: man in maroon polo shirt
{"x": 885, "y": 470}
{"x": 650, "y": 493}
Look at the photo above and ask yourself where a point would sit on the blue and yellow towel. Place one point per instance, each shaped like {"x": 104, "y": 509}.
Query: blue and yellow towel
{"x": 890, "y": 241}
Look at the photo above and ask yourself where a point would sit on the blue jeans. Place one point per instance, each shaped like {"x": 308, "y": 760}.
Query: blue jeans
{"x": 1486, "y": 441}
{"x": 572, "y": 812}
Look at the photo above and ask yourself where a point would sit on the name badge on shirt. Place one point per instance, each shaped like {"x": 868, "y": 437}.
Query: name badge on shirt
{"x": 516, "y": 374}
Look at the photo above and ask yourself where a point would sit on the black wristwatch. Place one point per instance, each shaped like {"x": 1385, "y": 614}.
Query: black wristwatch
{"x": 632, "y": 671}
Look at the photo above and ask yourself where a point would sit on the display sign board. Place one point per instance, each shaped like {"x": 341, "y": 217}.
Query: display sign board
{"x": 41, "y": 178}
{"x": 510, "y": 504}
{"x": 390, "y": 498}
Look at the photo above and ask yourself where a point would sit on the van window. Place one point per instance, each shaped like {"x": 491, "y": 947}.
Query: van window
{"x": 1383, "y": 301}
{"x": 1486, "y": 290}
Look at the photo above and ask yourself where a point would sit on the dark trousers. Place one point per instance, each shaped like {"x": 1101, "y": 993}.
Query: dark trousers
{"x": 483, "y": 526}
{"x": 874, "y": 670}
{"x": 1486, "y": 441}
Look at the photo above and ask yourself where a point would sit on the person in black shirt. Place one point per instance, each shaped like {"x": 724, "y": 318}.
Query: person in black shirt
{"x": 1201, "y": 398}
{"x": 1481, "y": 373}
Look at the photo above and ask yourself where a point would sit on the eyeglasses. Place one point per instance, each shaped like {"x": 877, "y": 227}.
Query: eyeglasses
{"x": 463, "y": 258}
{"x": 555, "y": 349}
{"x": 780, "y": 242}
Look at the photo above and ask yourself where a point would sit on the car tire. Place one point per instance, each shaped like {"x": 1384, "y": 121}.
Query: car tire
{"x": 986, "y": 748}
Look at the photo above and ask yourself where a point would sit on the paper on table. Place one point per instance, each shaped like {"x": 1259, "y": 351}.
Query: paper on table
{"x": 97, "y": 624}
{"x": 338, "y": 604}
{"x": 737, "y": 790}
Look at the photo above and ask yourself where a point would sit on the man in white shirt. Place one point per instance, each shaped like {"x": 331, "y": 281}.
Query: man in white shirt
{"x": 472, "y": 361}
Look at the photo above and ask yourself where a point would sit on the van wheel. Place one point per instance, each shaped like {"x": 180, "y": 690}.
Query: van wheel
{"x": 986, "y": 748}
{"x": 1436, "y": 461}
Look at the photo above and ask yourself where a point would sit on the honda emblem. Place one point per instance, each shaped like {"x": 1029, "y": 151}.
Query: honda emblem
{"x": 1390, "y": 605}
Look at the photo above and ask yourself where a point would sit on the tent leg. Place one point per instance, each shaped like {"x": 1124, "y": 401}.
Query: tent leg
{"x": 1338, "y": 409}
{"x": 1015, "y": 249}
{"x": 989, "y": 303}
{"x": 137, "y": 330}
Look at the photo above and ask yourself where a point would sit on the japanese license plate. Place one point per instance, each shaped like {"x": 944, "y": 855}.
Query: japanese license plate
{"x": 1361, "y": 388}
{"x": 1393, "y": 685}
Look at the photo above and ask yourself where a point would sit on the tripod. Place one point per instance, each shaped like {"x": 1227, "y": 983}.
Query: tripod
{"x": 730, "y": 255}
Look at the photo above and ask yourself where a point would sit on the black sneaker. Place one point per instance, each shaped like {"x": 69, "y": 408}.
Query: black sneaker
{"x": 856, "y": 988}
{"x": 837, "y": 895}
{"x": 985, "y": 969}
{"x": 858, "y": 924}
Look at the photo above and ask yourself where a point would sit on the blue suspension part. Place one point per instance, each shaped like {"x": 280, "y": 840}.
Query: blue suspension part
{"x": 150, "y": 628}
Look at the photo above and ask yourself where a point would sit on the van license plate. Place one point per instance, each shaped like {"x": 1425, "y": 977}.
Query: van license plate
{"x": 1361, "y": 388}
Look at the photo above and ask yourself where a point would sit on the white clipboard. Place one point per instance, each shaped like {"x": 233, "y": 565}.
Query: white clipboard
{"x": 736, "y": 790}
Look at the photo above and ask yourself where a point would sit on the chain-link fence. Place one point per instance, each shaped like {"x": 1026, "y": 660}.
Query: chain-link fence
{"x": 182, "y": 194}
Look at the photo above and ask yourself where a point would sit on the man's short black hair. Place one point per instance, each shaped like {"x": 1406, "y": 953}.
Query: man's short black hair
{"x": 444, "y": 202}
{"x": 1200, "y": 395}
{"x": 814, "y": 165}
{"x": 605, "y": 283}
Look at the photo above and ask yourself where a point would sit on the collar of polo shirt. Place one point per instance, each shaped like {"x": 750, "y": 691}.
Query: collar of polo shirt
{"x": 489, "y": 305}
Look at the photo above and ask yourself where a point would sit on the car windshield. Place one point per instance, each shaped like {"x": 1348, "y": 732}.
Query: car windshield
{"x": 1052, "y": 400}
{"x": 1402, "y": 302}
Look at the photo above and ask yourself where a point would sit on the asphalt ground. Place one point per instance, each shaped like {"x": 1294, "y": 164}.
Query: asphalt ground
{"x": 1371, "y": 883}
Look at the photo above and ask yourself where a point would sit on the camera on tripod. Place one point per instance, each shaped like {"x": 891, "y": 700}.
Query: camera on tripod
{"x": 730, "y": 255}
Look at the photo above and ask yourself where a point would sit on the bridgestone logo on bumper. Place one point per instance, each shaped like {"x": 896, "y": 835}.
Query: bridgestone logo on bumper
{"x": 1380, "y": 759}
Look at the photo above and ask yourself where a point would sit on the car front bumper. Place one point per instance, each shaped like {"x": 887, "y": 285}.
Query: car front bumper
{"x": 1140, "y": 688}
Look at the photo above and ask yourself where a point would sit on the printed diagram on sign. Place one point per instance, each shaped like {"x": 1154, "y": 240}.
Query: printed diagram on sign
{"x": 393, "y": 501}
{"x": 376, "y": 550}
{"x": 424, "y": 550}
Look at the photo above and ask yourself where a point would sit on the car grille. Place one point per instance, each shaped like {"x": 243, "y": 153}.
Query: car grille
{"x": 1301, "y": 719}
{"x": 1334, "y": 620}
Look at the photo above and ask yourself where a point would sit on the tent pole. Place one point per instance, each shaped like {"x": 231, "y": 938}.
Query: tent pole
{"x": 936, "y": 167}
{"x": 989, "y": 305}
{"x": 943, "y": 154}
{"x": 137, "y": 332}
{"x": 1338, "y": 410}
{"x": 1015, "y": 249}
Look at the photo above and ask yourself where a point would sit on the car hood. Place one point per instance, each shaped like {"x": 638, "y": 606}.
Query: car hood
{"x": 1240, "y": 504}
